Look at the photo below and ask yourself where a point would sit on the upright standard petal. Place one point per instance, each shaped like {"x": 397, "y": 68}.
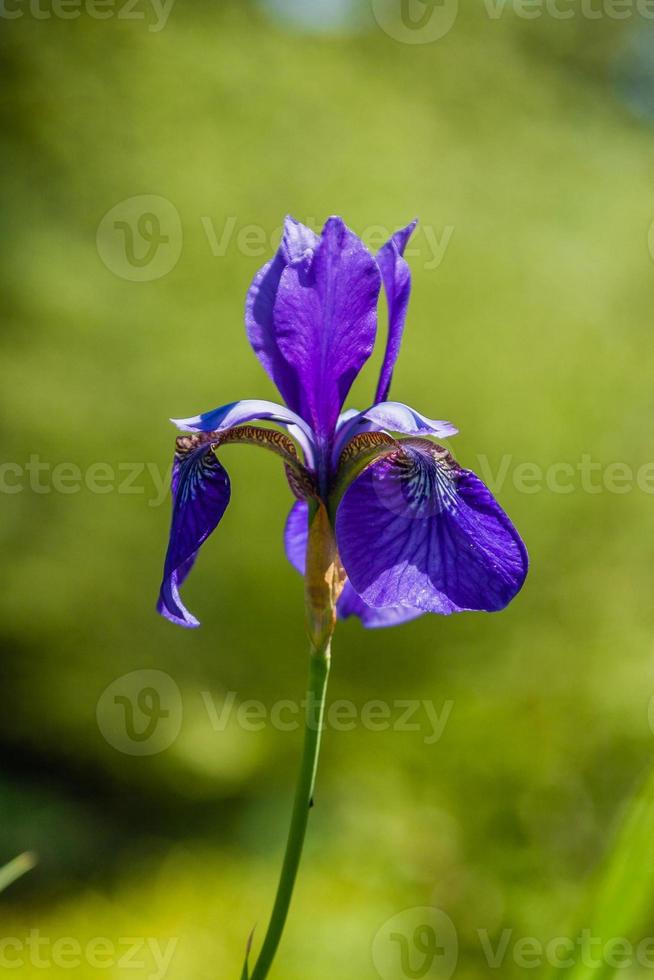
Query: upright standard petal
{"x": 396, "y": 277}
{"x": 417, "y": 530}
{"x": 325, "y": 319}
{"x": 201, "y": 491}
{"x": 297, "y": 245}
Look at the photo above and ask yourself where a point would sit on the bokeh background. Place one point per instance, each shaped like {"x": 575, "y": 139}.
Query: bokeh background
{"x": 525, "y": 146}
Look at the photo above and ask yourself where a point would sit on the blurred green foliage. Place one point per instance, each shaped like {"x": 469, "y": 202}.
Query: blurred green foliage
{"x": 620, "y": 898}
{"x": 532, "y": 335}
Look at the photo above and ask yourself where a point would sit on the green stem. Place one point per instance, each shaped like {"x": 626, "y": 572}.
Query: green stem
{"x": 318, "y": 675}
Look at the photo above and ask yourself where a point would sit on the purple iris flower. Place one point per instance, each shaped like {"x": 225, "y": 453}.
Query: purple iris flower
{"x": 415, "y": 532}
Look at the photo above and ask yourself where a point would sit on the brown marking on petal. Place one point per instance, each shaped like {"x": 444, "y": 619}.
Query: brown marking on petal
{"x": 189, "y": 443}
{"x": 299, "y": 477}
{"x": 360, "y": 452}
{"x": 270, "y": 438}
{"x": 365, "y": 442}
{"x": 367, "y": 448}
{"x": 438, "y": 453}
{"x": 301, "y": 482}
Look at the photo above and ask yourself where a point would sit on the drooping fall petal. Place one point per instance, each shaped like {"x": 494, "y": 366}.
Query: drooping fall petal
{"x": 201, "y": 491}
{"x": 417, "y": 530}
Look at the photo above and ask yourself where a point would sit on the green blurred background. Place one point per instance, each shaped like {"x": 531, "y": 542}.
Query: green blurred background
{"x": 525, "y": 146}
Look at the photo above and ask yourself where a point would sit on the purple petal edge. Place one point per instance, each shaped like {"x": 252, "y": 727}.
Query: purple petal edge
{"x": 201, "y": 493}
{"x": 422, "y": 533}
{"x": 396, "y": 276}
{"x": 247, "y": 410}
{"x": 351, "y": 604}
{"x": 391, "y": 417}
{"x": 297, "y": 246}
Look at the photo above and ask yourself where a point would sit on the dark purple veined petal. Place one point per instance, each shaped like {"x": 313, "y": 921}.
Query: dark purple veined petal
{"x": 349, "y": 603}
{"x": 201, "y": 494}
{"x": 325, "y": 320}
{"x": 389, "y": 417}
{"x": 297, "y": 245}
{"x": 247, "y": 410}
{"x": 396, "y": 277}
{"x": 416, "y": 529}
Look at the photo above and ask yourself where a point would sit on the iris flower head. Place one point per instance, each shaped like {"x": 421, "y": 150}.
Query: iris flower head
{"x": 413, "y": 531}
